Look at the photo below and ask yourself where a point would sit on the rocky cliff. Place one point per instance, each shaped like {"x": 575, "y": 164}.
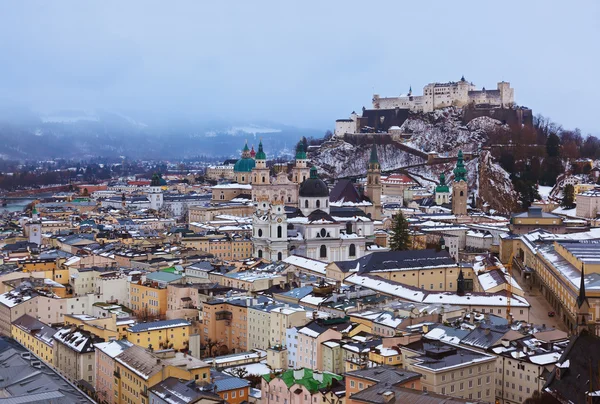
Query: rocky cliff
{"x": 441, "y": 131}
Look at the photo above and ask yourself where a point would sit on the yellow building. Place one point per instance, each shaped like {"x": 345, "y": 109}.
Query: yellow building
{"x": 35, "y": 336}
{"x": 385, "y": 356}
{"x": 148, "y": 299}
{"x": 107, "y": 328}
{"x": 137, "y": 369}
{"x": 167, "y": 334}
{"x": 556, "y": 268}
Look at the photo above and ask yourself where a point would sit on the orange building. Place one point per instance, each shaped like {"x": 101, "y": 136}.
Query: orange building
{"x": 148, "y": 299}
{"x": 225, "y": 322}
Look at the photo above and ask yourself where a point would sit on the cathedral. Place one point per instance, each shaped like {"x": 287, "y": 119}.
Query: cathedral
{"x": 301, "y": 216}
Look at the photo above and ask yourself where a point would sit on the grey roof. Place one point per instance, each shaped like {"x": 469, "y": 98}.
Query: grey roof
{"x": 374, "y": 394}
{"x": 385, "y": 374}
{"x": 436, "y": 355}
{"x": 141, "y": 327}
{"x": 397, "y": 260}
{"x": 583, "y": 354}
{"x": 225, "y": 382}
{"x": 21, "y": 382}
{"x": 161, "y": 276}
{"x": 182, "y": 392}
{"x": 35, "y": 327}
{"x": 484, "y": 337}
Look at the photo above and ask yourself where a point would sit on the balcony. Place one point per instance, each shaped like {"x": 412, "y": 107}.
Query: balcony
{"x": 117, "y": 374}
{"x": 223, "y": 315}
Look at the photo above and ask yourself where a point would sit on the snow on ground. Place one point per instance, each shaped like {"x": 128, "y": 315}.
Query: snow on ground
{"x": 544, "y": 191}
{"x": 253, "y": 369}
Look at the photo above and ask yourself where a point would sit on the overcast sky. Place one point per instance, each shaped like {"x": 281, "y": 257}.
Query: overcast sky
{"x": 304, "y": 63}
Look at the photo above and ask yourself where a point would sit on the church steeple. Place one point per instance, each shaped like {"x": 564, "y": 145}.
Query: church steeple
{"x": 583, "y": 308}
{"x": 374, "y": 159}
{"x": 261, "y": 153}
{"x": 460, "y": 172}
{"x": 300, "y": 152}
{"x": 460, "y": 283}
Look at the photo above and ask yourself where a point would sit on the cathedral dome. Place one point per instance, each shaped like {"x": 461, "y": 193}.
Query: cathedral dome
{"x": 244, "y": 165}
{"x": 313, "y": 187}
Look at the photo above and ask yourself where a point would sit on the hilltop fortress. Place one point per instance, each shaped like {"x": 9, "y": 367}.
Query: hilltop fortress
{"x": 389, "y": 113}
{"x": 442, "y": 95}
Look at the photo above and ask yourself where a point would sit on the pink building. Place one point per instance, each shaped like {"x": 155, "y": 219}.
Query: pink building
{"x": 309, "y": 353}
{"x": 105, "y": 359}
{"x": 302, "y": 386}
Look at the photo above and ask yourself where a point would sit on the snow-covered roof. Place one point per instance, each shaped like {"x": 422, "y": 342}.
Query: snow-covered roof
{"x": 306, "y": 263}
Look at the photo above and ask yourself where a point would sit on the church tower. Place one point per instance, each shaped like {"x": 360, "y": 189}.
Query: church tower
{"x": 442, "y": 191}
{"x": 260, "y": 172}
{"x": 269, "y": 230}
{"x": 300, "y": 172}
{"x": 34, "y": 228}
{"x": 459, "y": 187}
{"x": 374, "y": 184}
{"x": 583, "y": 308}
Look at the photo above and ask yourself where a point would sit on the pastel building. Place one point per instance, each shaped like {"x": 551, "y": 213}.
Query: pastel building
{"x": 302, "y": 386}
{"x": 105, "y": 353}
{"x": 309, "y": 351}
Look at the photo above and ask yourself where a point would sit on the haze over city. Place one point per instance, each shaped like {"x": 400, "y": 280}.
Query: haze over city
{"x": 302, "y": 63}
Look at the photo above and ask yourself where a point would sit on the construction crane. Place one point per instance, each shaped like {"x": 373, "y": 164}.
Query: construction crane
{"x": 508, "y": 267}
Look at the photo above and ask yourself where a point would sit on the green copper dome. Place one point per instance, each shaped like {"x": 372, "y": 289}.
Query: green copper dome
{"x": 300, "y": 152}
{"x": 442, "y": 187}
{"x": 260, "y": 155}
{"x": 460, "y": 172}
{"x": 244, "y": 165}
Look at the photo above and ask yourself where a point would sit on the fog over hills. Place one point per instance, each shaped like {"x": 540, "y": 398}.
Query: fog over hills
{"x": 83, "y": 134}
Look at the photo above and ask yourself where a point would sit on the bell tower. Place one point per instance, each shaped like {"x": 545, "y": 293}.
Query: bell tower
{"x": 442, "y": 191}
{"x": 460, "y": 187}
{"x": 260, "y": 173}
{"x": 374, "y": 183}
{"x": 300, "y": 172}
{"x": 582, "y": 310}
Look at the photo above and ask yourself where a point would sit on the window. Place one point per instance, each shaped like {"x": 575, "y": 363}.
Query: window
{"x": 352, "y": 252}
{"x": 233, "y": 394}
{"x": 260, "y": 254}
{"x": 323, "y": 233}
{"x": 352, "y": 383}
{"x": 279, "y": 256}
{"x": 323, "y": 252}
{"x": 279, "y": 232}
{"x": 306, "y": 203}
{"x": 260, "y": 233}
{"x": 318, "y": 204}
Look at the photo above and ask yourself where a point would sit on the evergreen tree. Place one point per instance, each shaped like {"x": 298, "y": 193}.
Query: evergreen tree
{"x": 568, "y": 200}
{"x": 401, "y": 239}
{"x": 553, "y": 145}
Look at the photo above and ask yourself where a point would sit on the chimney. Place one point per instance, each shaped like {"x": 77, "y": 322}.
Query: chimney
{"x": 388, "y": 396}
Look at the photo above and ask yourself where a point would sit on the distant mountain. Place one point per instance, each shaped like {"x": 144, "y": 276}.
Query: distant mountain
{"x": 85, "y": 134}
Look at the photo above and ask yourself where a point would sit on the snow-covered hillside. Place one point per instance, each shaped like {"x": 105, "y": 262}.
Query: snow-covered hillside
{"x": 441, "y": 131}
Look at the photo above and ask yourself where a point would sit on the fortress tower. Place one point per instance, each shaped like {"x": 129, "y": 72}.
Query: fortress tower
{"x": 460, "y": 188}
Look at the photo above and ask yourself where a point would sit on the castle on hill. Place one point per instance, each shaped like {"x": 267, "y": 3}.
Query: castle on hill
{"x": 455, "y": 93}
{"x": 387, "y": 114}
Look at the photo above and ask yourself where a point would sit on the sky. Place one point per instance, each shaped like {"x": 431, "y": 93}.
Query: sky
{"x": 303, "y": 63}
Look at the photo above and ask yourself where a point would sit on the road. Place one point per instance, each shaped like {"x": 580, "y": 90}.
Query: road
{"x": 538, "y": 313}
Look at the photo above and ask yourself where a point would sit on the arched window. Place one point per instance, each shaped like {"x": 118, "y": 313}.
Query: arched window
{"x": 323, "y": 252}
{"x": 352, "y": 251}
{"x": 462, "y": 193}
{"x": 263, "y": 179}
{"x": 376, "y": 181}
{"x": 259, "y": 253}
{"x": 279, "y": 232}
{"x": 259, "y": 232}
{"x": 243, "y": 178}
{"x": 323, "y": 232}
{"x": 318, "y": 204}
{"x": 306, "y": 203}
{"x": 279, "y": 256}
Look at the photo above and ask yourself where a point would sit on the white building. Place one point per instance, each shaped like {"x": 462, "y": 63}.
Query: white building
{"x": 588, "y": 204}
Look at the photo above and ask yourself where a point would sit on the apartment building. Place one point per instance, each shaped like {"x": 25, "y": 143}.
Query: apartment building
{"x": 35, "y": 336}
{"x": 310, "y": 337}
{"x": 137, "y": 370}
{"x": 105, "y": 353}
{"x": 302, "y": 386}
{"x": 166, "y": 334}
{"x": 451, "y": 370}
{"x": 148, "y": 299}
{"x": 74, "y": 355}
{"x": 360, "y": 380}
